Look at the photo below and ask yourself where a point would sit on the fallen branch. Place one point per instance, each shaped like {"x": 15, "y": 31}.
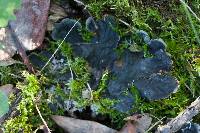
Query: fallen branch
{"x": 176, "y": 123}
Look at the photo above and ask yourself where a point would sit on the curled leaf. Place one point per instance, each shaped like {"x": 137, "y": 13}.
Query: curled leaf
{"x": 28, "y": 28}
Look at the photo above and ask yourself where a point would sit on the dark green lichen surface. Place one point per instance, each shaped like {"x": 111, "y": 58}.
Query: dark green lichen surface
{"x": 149, "y": 75}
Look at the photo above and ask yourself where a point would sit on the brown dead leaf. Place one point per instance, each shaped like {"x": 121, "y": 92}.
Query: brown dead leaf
{"x": 29, "y": 28}
{"x": 57, "y": 12}
{"x": 137, "y": 123}
{"x": 71, "y": 125}
{"x": 129, "y": 127}
{"x": 41, "y": 127}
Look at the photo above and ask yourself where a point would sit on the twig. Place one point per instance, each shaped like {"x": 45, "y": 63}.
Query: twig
{"x": 59, "y": 46}
{"x": 125, "y": 23}
{"x": 72, "y": 77}
{"x": 176, "y": 123}
{"x": 156, "y": 123}
{"x": 193, "y": 13}
{"x": 189, "y": 89}
{"x": 190, "y": 20}
{"x": 90, "y": 89}
{"x": 49, "y": 131}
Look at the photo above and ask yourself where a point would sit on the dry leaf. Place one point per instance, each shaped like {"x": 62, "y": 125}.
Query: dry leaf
{"x": 41, "y": 127}
{"x": 57, "y": 12}
{"x": 137, "y": 123}
{"x": 29, "y": 28}
{"x": 129, "y": 128}
{"x": 72, "y": 125}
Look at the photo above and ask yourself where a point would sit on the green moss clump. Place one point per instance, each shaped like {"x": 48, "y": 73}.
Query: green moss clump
{"x": 86, "y": 35}
{"x": 10, "y": 74}
{"x": 28, "y": 118}
{"x": 26, "y": 106}
{"x": 5, "y": 74}
{"x": 120, "y": 8}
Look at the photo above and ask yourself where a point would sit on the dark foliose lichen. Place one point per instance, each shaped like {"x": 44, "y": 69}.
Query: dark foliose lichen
{"x": 148, "y": 74}
{"x": 190, "y": 128}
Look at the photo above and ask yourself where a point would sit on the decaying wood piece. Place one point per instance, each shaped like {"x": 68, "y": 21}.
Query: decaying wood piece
{"x": 71, "y": 125}
{"x": 176, "y": 123}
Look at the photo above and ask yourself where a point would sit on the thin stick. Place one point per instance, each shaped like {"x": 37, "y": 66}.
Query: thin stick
{"x": 49, "y": 131}
{"x": 156, "y": 123}
{"x": 59, "y": 45}
{"x": 125, "y": 23}
{"x": 190, "y": 20}
{"x": 90, "y": 89}
{"x": 176, "y": 123}
{"x": 72, "y": 77}
{"x": 193, "y": 13}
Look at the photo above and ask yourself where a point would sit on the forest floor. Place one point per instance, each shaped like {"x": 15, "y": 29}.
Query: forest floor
{"x": 59, "y": 87}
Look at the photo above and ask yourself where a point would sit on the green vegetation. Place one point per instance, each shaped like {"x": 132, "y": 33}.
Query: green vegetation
{"x": 120, "y": 8}
{"x": 79, "y": 83}
{"x": 7, "y": 11}
{"x": 27, "y": 118}
{"x": 25, "y": 107}
{"x": 11, "y": 74}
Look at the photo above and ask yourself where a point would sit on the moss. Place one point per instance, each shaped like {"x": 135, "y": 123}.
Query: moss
{"x": 28, "y": 118}
{"x": 10, "y": 74}
{"x": 168, "y": 107}
{"x": 5, "y": 74}
{"x": 102, "y": 86}
{"x": 120, "y": 8}
{"x": 79, "y": 83}
{"x": 86, "y": 35}
{"x": 25, "y": 107}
